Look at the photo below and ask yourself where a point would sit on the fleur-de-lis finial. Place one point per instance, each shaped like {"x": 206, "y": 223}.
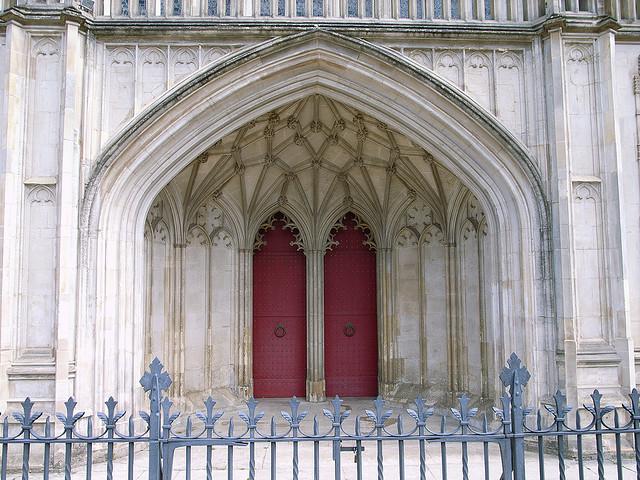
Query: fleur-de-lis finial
{"x": 421, "y": 413}
{"x": 560, "y": 408}
{"x": 155, "y": 371}
{"x": 597, "y": 410}
{"x": 465, "y": 414}
{"x": 251, "y": 418}
{"x": 209, "y": 403}
{"x": 28, "y": 416}
{"x": 111, "y": 404}
{"x": 504, "y": 413}
{"x": 69, "y": 418}
{"x": 379, "y": 416}
{"x": 111, "y": 417}
{"x": 514, "y": 374}
{"x": 294, "y": 418}
{"x": 167, "y": 416}
{"x": 210, "y": 418}
{"x": 634, "y": 409}
{"x": 294, "y": 404}
{"x": 336, "y": 416}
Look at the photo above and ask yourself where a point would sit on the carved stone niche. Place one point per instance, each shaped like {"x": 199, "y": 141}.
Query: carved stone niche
{"x": 359, "y": 224}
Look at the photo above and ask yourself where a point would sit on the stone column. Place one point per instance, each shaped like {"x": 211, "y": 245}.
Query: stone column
{"x": 484, "y": 343}
{"x": 178, "y": 333}
{"x": 454, "y": 333}
{"x": 387, "y": 326}
{"x": 446, "y": 9}
{"x": 614, "y": 8}
{"x": 385, "y": 8}
{"x": 428, "y": 9}
{"x": 627, "y": 9}
{"x": 243, "y": 337}
{"x": 315, "y": 325}
{"x": 500, "y": 11}
{"x": 555, "y": 6}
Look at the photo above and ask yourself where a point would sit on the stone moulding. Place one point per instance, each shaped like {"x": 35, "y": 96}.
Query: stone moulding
{"x": 80, "y": 13}
{"x": 180, "y": 91}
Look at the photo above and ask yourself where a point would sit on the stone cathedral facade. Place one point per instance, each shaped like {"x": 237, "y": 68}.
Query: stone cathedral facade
{"x": 318, "y": 197}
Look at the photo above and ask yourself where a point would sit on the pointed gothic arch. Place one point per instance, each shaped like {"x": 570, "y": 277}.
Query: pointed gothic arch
{"x": 278, "y": 324}
{"x": 171, "y": 132}
{"x": 352, "y": 323}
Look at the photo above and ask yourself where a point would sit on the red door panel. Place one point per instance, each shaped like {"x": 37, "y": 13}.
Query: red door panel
{"x": 350, "y": 315}
{"x": 279, "y": 316}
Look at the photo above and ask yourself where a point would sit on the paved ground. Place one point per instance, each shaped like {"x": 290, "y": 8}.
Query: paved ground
{"x": 284, "y": 471}
{"x": 390, "y": 452}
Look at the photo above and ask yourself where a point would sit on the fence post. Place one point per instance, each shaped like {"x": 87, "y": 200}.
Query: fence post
{"x": 155, "y": 381}
{"x": 336, "y": 417}
{"x": 167, "y": 449}
{"x": 26, "y": 419}
{"x": 515, "y": 377}
{"x": 504, "y": 414}
{"x": 634, "y": 411}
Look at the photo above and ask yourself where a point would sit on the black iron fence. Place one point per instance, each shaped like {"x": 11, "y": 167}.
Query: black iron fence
{"x": 523, "y": 440}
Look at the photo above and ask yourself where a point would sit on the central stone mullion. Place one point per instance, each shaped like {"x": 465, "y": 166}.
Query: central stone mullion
{"x": 315, "y": 325}
{"x": 387, "y": 325}
{"x": 244, "y": 331}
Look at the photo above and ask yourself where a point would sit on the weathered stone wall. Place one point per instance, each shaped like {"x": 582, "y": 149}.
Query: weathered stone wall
{"x": 627, "y": 91}
{"x": 72, "y": 291}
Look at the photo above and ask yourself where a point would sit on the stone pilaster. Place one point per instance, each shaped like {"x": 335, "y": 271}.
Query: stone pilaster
{"x": 615, "y": 214}
{"x": 455, "y": 358}
{"x": 482, "y": 318}
{"x": 244, "y": 360}
{"x": 388, "y": 362}
{"x": 559, "y": 152}
{"x": 178, "y": 328}
{"x": 11, "y": 192}
{"x": 555, "y": 6}
{"x": 68, "y": 199}
{"x": 315, "y": 326}
{"x": 615, "y": 9}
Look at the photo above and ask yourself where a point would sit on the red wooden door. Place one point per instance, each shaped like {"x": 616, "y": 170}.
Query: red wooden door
{"x": 279, "y": 316}
{"x": 350, "y": 318}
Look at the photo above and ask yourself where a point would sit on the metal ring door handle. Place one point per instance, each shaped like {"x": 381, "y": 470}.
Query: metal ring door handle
{"x": 349, "y": 330}
{"x": 280, "y": 331}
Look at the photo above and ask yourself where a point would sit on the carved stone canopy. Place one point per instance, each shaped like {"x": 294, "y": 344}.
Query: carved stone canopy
{"x": 358, "y": 224}
{"x": 271, "y": 223}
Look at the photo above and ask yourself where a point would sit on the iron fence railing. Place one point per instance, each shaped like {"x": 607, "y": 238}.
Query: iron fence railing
{"x": 523, "y": 440}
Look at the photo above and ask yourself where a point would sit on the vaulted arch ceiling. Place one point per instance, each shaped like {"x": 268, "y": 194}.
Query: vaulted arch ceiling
{"x": 315, "y": 158}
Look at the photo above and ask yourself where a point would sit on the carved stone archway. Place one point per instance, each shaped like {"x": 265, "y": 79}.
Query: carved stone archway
{"x": 187, "y": 121}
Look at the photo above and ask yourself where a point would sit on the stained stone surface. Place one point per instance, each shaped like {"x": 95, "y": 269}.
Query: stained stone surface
{"x": 489, "y": 149}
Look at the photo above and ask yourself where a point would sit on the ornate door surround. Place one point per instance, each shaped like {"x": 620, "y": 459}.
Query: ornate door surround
{"x": 279, "y": 276}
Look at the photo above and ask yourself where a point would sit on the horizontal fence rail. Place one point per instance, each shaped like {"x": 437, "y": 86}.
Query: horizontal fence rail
{"x": 553, "y": 441}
